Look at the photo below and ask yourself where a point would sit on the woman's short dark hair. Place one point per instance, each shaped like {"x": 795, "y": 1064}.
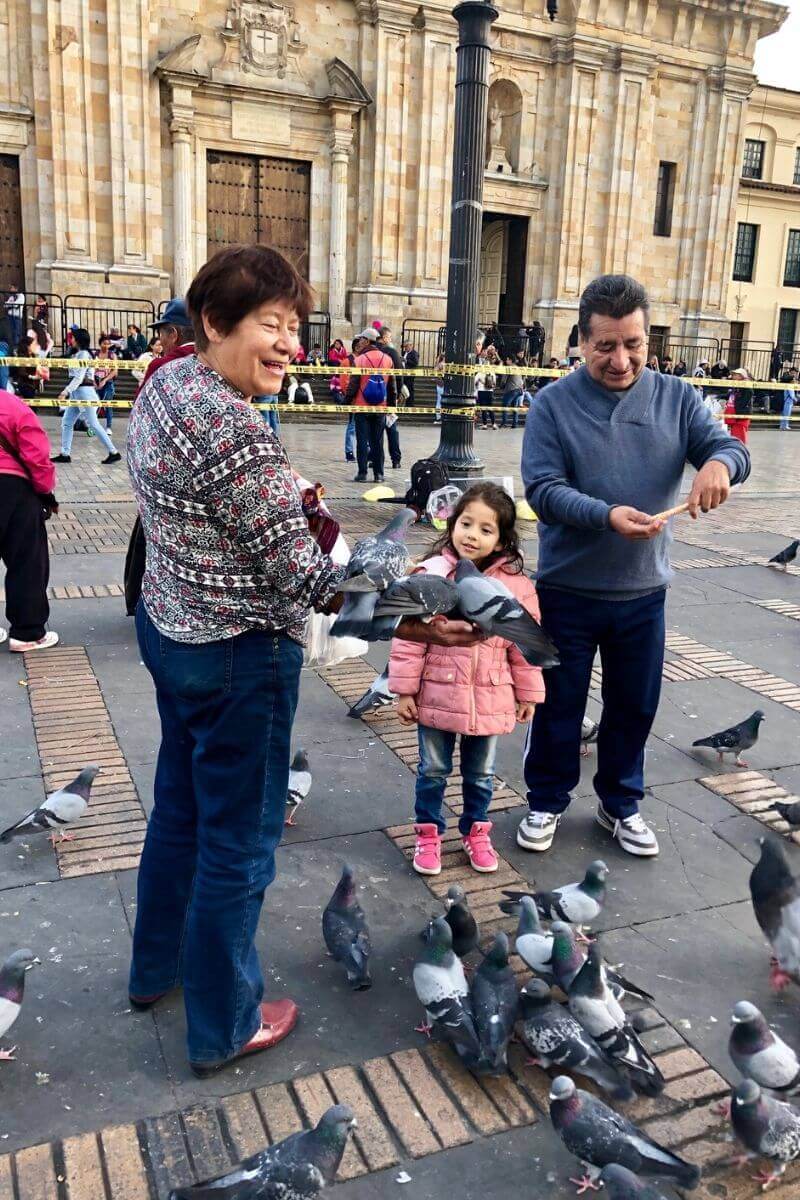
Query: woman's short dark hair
{"x": 83, "y": 339}
{"x": 237, "y": 280}
{"x": 614, "y": 296}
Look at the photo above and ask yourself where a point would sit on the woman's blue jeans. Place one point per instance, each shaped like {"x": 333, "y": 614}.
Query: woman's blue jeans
{"x": 788, "y": 403}
{"x": 226, "y": 712}
{"x": 89, "y": 414}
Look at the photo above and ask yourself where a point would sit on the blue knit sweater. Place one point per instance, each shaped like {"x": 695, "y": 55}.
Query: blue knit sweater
{"x": 587, "y": 449}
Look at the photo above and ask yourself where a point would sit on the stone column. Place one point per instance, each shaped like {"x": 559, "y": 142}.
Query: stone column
{"x": 341, "y": 144}
{"x": 180, "y": 128}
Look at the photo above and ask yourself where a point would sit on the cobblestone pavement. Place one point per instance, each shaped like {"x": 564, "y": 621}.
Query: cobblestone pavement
{"x": 99, "y": 1102}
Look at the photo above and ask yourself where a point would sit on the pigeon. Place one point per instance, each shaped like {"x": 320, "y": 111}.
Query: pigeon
{"x": 578, "y": 903}
{"x": 489, "y": 604}
{"x": 463, "y": 925}
{"x": 736, "y": 739}
{"x": 789, "y": 812}
{"x": 344, "y": 928}
{"x": 299, "y": 784}
{"x": 597, "y": 1135}
{"x": 556, "y": 1039}
{"x": 776, "y": 904}
{"x": 297, "y": 1168}
{"x": 589, "y": 732}
{"x": 60, "y": 808}
{"x": 592, "y": 1002}
{"x": 622, "y": 1184}
{"x": 759, "y": 1054}
{"x": 376, "y": 696}
{"x": 533, "y": 945}
{"x": 417, "y": 595}
{"x": 767, "y": 1127}
{"x": 568, "y": 960}
{"x": 12, "y": 990}
{"x": 376, "y": 561}
{"x": 441, "y": 987}
{"x": 785, "y": 556}
{"x": 495, "y": 1002}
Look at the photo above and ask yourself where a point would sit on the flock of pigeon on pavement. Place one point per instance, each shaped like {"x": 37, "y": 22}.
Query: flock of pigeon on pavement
{"x": 569, "y": 1014}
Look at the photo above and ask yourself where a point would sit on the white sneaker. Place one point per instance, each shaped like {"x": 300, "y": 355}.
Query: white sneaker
{"x": 49, "y": 639}
{"x": 633, "y": 834}
{"x": 537, "y": 830}
{"x": 3, "y": 635}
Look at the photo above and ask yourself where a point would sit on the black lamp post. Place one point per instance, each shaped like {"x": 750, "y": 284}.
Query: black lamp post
{"x": 475, "y": 18}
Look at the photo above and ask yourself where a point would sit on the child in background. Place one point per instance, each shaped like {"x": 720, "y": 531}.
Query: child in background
{"x": 477, "y": 691}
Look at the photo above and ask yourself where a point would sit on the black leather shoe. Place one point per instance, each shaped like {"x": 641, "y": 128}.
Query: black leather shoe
{"x": 61, "y": 458}
{"x": 360, "y": 479}
{"x": 142, "y": 1003}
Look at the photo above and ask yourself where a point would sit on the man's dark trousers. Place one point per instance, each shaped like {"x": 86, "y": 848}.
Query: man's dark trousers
{"x": 23, "y": 549}
{"x": 630, "y": 636}
{"x": 370, "y": 425}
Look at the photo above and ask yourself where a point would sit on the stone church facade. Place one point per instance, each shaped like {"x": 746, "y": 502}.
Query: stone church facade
{"x": 145, "y": 135}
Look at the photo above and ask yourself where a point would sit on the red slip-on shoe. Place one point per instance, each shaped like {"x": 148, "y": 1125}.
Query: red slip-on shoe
{"x": 278, "y": 1019}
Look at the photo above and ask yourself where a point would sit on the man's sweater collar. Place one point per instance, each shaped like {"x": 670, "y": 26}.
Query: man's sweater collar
{"x": 632, "y": 405}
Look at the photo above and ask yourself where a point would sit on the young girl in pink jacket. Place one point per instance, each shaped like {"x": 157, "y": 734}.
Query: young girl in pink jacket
{"x": 477, "y": 691}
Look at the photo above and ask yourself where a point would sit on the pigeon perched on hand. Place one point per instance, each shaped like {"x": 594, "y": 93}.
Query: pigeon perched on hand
{"x": 789, "y": 812}
{"x": 463, "y": 925}
{"x": 417, "y": 595}
{"x": 495, "y": 1003}
{"x": 736, "y": 739}
{"x": 297, "y": 1168}
{"x": 533, "y": 945}
{"x": 598, "y": 1136}
{"x": 787, "y": 555}
{"x": 769, "y": 1128}
{"x": 579, "y": 903}
{"x": 776, "y": 904}
{"x": 489, "y": 604}
{"x": 589, "y": 732}
{"x": 344, "y": 928}
{"x": 299, "y": 784}
{"x": 622, "y": 1184}
{"x": 592, "y": 1002}
{"x": 61, "y": 808}
{"x": 12, "y": 990}
{"x": 376, "y": 561}
{"x": 377, "y": 695}
{"x": 556, "y": 1039}
{"x": 441, "y": 987}
{"x": 759, "y": 1054}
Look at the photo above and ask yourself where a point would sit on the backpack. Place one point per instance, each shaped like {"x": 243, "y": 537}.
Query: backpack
{"x": 374, "y": 390}
{"x": 427, "y": 476}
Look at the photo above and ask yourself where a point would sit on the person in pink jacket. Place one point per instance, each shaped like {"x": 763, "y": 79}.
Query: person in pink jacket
{"x": 478, "y": 691}
{"x": 27, "y": 480}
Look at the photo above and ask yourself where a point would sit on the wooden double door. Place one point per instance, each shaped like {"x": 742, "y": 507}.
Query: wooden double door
{"x": 251, "y": 198}
{"x": 12, "y": 263}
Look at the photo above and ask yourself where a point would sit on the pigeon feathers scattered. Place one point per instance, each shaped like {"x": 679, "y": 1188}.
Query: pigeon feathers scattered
{"x": 61, "y": 808}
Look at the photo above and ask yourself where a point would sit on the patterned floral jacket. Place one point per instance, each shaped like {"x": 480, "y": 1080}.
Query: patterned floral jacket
{"x": 228, "y": 547}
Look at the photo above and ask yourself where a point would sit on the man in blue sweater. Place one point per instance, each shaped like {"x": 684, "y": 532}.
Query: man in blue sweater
{"x": 604, "y": 449}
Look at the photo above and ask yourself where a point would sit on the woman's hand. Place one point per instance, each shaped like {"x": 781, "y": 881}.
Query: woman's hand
{"x": 440, "y": 631}
{"x": 525, "y": 712}
{"x": 62, "y": 395}
{"x": 407, "y": 710}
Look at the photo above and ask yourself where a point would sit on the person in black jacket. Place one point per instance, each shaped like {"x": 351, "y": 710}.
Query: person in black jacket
{"x": 411, "y": 362}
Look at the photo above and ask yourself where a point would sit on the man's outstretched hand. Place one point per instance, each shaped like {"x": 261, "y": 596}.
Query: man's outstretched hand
{"x": 441, "y": 631}
{"x": 711, "y": 487}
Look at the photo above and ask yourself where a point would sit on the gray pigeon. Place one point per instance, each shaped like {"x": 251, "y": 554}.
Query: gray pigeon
{"x": 441, "y": 987}
{"x": 789, "y": 812}
{"x": 767, "y": 1127}
{"x": 622, "y": 1184}
{"x": 759, "y": 1054}
{"x": 533, "y": 945}
{"x": 12, "y": 990}
{"x": 377, "y": 695}
{"x": 579, "y": 903}
{"x": 495, "y": 1002}
{"x": 776, "y": 904}
{"x": 787, "y": 555}
{"x": 592, "y": 1002}
{"x": 297, "y": 1168}
{"x": 61, "y": 808}
{"x": 417, "y": 595}
{"x": 598, "y": 1136}
{"x": 344, "y": 928}
{"x": 736, "y": 739}
{"x": 589, "y": 732}
{"x": 556, "y": 1039}
{"x": 299, "y": 784}
{"x": 376, "y": 561}
{"x": 568, "y": 959}
{"x": 463, "y": 925}
{"x": 489, "y": 604}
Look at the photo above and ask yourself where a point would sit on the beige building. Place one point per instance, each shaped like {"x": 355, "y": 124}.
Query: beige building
{"x": 137, "y": 137}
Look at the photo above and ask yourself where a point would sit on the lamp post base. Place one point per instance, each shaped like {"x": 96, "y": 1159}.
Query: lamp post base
{"x": 455, "y": 447}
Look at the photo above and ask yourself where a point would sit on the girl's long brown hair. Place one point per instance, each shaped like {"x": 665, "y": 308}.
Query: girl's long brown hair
{"x": 501, "y": 504}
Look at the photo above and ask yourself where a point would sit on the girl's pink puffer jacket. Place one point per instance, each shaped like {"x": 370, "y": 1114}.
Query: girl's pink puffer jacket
{"x": 468, "y": 689}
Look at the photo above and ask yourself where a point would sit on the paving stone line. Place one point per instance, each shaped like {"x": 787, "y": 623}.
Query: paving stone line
{"x": 73, "y": 727}
{"x": 784, "y": 607}
{"x": 723, "y": 665}
{"x": 755, "y": 794}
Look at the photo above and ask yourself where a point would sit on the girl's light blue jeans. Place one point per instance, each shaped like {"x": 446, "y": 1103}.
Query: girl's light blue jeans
{"x": 89, "y": 414}
{"x": 435, "y": 764}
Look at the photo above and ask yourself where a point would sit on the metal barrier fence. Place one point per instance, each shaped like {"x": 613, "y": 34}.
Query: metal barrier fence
{"x": 102, "y": 314}
{"x": 427, "y": 338}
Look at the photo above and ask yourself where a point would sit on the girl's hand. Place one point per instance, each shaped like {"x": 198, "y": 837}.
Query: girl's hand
{"x": 525, "y": 712}
{"x": 62, "y": 395}
{"x": 407, "y": 710}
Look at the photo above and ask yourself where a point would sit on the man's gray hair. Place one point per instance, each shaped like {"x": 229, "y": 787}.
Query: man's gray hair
{"x": 614, "y": 296}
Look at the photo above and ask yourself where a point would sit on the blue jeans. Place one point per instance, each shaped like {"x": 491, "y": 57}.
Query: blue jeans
{"x": 788, "y": 402}
{"x": 4, "y": 372}
{"x": 512, "y": 401}
{"x": 630, "y": 636}
{"x": 89, "y": 414}
{"x": 439, "y": 394}
{"x": 226, "y": 712}
{"x": 435, "y": 764}
{"x": 350, "y": 439}
{"x": 269, "y": 415}
{"x": 106, "y": 395}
